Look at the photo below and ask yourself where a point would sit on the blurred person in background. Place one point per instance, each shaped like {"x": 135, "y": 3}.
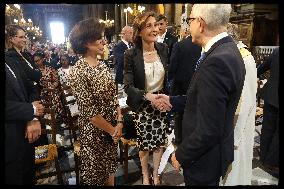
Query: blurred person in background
{"x": 63, "y": 72}
{"x": 119, "y": 49}
{"x": 269, "y": 138}
{"x": 181, "y": 68}
{"x": 50, "y": 80}
{"x": 72, "y": 57}
{"x": 164, "y": 35}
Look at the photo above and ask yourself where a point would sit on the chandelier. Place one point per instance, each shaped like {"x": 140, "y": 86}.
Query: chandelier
{"x": 135, "y": 11}
{"x": 14, "y": 15}
{"x": 108, "y": 23}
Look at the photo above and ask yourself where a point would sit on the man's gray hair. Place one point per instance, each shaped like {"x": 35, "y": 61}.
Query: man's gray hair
{"x": 215, "y": 16}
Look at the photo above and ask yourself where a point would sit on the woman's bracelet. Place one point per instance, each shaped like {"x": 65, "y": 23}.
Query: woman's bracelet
{"x": 119, "y": 121}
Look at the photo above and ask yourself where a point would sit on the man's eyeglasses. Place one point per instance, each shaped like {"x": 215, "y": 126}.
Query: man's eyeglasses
{"x": 189, "y": 20}
{"x": 21, "y": 37}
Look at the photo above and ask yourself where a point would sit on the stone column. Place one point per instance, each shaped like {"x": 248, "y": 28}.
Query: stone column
{"x": 189, "y": 8}
{"x": 178, "y": 13}
{"x": 117, "y": 20}
{"x": 122, "y": 15}
{"x": 168, "y": 12}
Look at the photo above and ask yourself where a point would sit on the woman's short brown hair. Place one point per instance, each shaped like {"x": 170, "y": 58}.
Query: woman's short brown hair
{"x": 83, "y": 32}
{"x": 138, "y": 24}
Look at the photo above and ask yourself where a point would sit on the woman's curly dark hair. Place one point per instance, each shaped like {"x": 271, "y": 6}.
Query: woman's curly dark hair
{"x": 83, "y": 32}
{"x": 138, "y": 24}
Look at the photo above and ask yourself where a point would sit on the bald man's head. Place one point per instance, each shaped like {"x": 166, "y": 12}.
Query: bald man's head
{"x": 127, "y": 33}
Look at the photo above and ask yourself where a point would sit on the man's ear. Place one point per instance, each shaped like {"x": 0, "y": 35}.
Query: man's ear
{"x": 202, "y": 25}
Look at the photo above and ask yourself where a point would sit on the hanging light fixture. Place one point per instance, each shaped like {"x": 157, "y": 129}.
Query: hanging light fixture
{"x": 14, "y": 15}
{"x": 108, "y": 23}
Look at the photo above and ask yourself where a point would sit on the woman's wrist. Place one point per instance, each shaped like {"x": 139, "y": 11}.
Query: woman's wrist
{"x": 119, "y": 118}
{"x": 119, "y": 125}
{"x": 149, "y": 96}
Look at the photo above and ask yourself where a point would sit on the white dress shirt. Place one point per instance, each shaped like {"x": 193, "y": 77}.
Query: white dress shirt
{"x": 214, "y": 40}
{"x": 162, "y": 37}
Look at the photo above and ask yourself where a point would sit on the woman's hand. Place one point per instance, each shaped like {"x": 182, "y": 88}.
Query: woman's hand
{"x": 117, "y": 132}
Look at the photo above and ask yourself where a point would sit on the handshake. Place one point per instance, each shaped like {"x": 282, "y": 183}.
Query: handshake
{"x": 160, "y": 102}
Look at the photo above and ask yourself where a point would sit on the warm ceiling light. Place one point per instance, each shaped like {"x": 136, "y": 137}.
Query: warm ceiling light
{"x": 17, "y": 6}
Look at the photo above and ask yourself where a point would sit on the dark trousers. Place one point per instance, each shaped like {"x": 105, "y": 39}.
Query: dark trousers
{"x": 269, "y": 138}
{"x": 178, "y": 128}
{"x": 22, "y": 170}
{"x": 189, "y": 181}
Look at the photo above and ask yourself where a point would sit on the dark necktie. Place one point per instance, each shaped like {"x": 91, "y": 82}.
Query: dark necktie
{"x": 199, "y": 60}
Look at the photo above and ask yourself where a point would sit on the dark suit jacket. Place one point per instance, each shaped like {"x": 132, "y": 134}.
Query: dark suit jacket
{"x": 207, "y": 148}
{"x": 270, "y": 88}
{"x": 19, "y": 154}
{"x": 182, "y": 64}
{"x": 170, "y": 40}
{"x": 134, "y": 74}
{"x": 29, "y": 75}
{"x": 119, "y": 50}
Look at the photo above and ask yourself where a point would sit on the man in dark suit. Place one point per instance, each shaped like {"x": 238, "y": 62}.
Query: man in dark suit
{"x": 124, "y": 44}
{"x": 207, "y": 147}
{"x": 164, "y": 35}
{"x": 21, "y": 128}
{"x": 181, "y": 68}
{"x": 269, "y": 139}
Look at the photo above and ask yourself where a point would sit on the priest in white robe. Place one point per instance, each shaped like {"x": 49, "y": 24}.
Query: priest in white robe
{"x": 241, "y": 168}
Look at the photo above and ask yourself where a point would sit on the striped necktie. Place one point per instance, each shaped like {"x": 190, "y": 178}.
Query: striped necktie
{"x": 199, "y": 60}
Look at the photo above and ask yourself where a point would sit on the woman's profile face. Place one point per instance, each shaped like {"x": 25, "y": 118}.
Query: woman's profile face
{"x": 96, "y": 47}
{"x": 19, "y": 40}
{"x": 149, "y": 32}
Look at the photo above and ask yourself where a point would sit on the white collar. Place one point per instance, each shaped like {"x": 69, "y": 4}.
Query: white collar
{"x": 241, "y": 45}
{"x": 125, "y": 42}
{"x": 162, "y": 37}
{"x": 214, "y": 40}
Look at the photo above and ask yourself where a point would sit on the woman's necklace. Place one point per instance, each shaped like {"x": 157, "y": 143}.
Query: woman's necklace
{"x": 149, "y": 52}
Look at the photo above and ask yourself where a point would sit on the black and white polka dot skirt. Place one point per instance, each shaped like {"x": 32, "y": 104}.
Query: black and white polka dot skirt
{"x": 151, "y": 126}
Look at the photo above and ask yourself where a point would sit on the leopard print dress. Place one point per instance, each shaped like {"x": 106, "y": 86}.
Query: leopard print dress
{"x": 95, "y": 92}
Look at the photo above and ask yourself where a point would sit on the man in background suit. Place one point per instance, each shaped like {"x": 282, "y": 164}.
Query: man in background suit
{"x": 21, "y": 128}
{"x": 125, "y": 43}
{"x": 181, "y": 68}
{"x": 207, "y": 147}
{"x": 164, "y": 35}
{"x": 269, "y": 139}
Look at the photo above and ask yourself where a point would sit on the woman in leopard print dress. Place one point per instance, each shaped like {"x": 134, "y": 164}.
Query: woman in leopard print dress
{"x": 95, "y": 91}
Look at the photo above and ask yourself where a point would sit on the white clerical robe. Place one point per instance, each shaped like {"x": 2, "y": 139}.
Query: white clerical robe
{"x": 241, "y": 172}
